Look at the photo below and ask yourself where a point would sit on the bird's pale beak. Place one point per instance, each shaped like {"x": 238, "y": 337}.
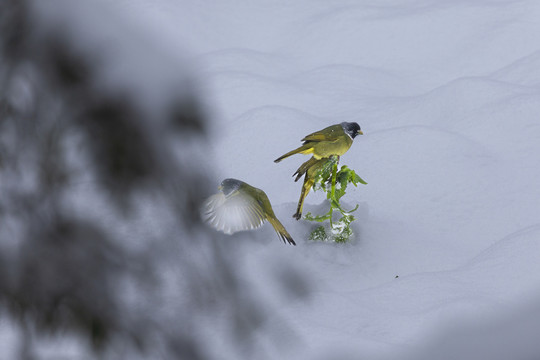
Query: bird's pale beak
{"x": 360, "y": 132}
{"x": 220, "y": 187}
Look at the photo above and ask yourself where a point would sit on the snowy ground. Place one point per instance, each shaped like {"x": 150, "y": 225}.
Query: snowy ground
{"x": 448, "y": 96}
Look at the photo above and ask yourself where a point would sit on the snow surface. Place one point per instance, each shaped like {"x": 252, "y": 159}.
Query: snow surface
{"x": 448, "y": 96}
{"x": 447, "y": 93}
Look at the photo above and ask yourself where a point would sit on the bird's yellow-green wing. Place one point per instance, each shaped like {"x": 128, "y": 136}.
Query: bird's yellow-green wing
{"x": 331, "y": 133}
{"x": 237, "y": 212}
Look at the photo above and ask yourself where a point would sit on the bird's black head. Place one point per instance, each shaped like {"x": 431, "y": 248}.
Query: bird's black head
{"x": 230, "y": 185}
{"x": 352, "y": 129}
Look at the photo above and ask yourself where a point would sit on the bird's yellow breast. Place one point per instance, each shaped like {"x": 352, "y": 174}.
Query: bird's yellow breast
{"x": 325, "y": 149}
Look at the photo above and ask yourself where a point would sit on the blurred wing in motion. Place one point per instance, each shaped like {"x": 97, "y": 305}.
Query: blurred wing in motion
{"x": 233, "y": 213}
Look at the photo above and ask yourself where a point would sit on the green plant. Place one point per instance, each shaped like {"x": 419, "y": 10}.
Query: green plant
{"x": 334, "y": 183}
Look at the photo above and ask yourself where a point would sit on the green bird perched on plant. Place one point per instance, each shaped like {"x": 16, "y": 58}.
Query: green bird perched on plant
{"x": 333, "y": 140}
{"x": 309, "y": 169}
{"x": 239, "y": 206}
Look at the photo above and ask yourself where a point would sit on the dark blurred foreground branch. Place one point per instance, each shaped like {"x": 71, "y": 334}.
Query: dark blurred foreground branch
{"x": 82, "y": 164}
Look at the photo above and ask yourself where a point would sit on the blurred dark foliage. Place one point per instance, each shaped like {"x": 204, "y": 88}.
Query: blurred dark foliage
{"x": 64, "y": 270}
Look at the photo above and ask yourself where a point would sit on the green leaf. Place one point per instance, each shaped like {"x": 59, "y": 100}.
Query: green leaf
{"x": 319, "y": 234}
{"x": 318, "y": 218}
{"x": 322, "y": 177}
{"x": 335, "y": 188}
{"x": 350, "y": 211}
{"x": 355, "y": 179}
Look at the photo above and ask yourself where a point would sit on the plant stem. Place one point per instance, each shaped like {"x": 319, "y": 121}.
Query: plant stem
{"x": 333, "y": 193}
{"x": 334, "y": 171}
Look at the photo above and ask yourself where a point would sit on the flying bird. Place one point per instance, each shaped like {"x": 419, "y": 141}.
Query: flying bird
{"x": 333, "y": 140}
{"x": 239, "y": 206}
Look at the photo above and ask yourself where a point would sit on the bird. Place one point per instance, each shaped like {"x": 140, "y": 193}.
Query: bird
{"x": 333, "y": 140}
{"x": 239, "y": 206}
{"x": 309, "y": 169}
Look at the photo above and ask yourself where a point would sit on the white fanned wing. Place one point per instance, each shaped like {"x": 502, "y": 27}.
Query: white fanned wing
{"x": 234, "y": 213}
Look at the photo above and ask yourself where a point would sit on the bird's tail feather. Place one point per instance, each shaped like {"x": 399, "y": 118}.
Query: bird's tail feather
{"x": 304, "y": 149}
{"x": 308, "y": 183}
{"x": 280, "y": 230}
{"x": 305, "y": 168}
